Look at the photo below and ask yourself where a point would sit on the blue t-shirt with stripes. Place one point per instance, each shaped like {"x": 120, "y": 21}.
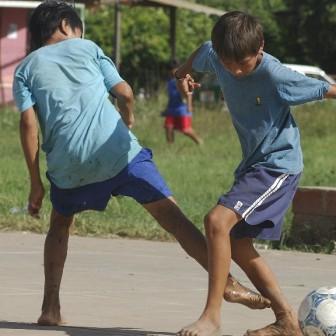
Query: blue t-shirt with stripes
{"x": 259, "y": 104}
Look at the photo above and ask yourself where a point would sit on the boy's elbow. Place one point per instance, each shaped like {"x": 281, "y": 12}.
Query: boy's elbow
{"x": 123, "y": 92}
{"x": 128, "y": 94}
{"x": 28, "y": 121}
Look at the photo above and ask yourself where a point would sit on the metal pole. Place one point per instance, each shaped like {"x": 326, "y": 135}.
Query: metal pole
{"x": 117, "y": 33}
{"x": 173, "y": 32}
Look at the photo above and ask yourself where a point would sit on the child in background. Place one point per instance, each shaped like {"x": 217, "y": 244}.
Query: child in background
{"x": 178, "y": 113}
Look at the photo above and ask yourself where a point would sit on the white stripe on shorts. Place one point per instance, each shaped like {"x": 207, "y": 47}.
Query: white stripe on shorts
{"x": 273, "y": 188}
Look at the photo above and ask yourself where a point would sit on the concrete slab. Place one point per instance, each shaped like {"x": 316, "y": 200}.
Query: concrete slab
{"x": 121, "y": 287}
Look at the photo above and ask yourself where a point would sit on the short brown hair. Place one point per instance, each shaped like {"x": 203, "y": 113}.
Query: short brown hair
{"x": 237, "y": 35}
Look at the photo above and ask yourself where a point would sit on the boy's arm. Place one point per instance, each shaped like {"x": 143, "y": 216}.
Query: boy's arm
{"x": 185, "y": 82}
{"x": 331, "y": 93}
{"x": 125, "y": 101}
{"x": 30, "y": 146}
{"x": 189, "y": 103}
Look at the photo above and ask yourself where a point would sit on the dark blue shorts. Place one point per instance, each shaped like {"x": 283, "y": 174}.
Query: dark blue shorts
{"x": 140, "y": 179}
{"x": 261, "y": 197}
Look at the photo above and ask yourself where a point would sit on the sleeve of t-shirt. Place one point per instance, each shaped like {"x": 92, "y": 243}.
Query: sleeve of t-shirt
{"x": 204, "y": 58}
{"x": 295, "y": 88}
{"x": 109, "y": 70}
{"x": 21, "y": 92}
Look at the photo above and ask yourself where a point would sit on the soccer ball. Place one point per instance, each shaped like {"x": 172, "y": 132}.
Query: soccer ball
{"x": 317, "y": 312}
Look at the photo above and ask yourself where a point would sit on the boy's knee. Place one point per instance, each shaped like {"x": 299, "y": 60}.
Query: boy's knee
{"x": 59, "y": 223}
{"x": 214, "y": 225}
{"x": 187, "y": 131}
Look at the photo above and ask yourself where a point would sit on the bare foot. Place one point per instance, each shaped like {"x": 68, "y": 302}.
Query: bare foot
{"x": 202, "y": 327}
{"x": 237, "y": 293}
{"x": 50, "y": 319}
{"x": 285, "y": 325}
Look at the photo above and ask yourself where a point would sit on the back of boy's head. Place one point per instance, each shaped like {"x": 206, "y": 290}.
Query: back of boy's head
{"x": 237, "y": 35}
{"x": 47, "y": 17}
{"x": 173, "y": 64}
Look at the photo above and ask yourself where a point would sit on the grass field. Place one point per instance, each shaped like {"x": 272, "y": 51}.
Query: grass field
{"x": 197, "y": 175}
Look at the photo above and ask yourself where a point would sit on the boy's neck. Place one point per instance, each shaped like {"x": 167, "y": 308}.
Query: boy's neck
{"x": 64, "y": 34}
{"x": 56, "y": 39}
{"x": 259, "y": 58}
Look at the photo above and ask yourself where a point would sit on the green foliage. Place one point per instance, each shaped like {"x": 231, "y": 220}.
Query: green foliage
{"x": 192, "y": 30}
{"x": 145, "y": 45}
{"x": 295, "y": 31}
{"x": 145, "y": 49}
{"x": 309, "y": 26}
{"x": 99, "y": 27}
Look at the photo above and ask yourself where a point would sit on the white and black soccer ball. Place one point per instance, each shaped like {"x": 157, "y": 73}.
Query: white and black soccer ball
{"x": 317, "y": 312}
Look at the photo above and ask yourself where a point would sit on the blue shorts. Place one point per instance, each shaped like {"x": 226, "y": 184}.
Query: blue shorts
{"x": 261, "y": 197}
{"x": 140, "y": 179}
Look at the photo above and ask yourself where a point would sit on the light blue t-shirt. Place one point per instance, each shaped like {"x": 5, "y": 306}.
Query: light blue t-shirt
{"x": 84, "y": 137}
{"x": 259, "y": 104}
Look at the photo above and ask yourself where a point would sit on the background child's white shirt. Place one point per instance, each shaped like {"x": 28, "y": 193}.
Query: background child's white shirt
{"x": 84, "y": 137}
{"x": 259, "y": 104}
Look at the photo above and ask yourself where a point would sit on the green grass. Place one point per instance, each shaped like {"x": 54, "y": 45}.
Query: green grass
{"x": 197, "y": 175}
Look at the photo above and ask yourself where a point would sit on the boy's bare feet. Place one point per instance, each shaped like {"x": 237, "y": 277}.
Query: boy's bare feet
{"x": 237, "y": 293}
{"x": 285, "y": 325}
{"x": 50, "y": 319}
{"x": 202, "y": 327}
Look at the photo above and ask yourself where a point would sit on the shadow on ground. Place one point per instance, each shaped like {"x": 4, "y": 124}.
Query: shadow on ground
{"x": 82, "y": 331}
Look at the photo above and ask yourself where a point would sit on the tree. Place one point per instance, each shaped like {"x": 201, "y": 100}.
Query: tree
{"x": 309, "y": 29}
{"x": 145, "y": 49}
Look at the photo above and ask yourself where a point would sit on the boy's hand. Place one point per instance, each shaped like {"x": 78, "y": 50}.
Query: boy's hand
{"x": 125, "y": 101}
{"x": 130, "y": 121}
{"x": 35, "y": 200}
{"x": 331, "y": 92}
{"x": 187, "y": 85}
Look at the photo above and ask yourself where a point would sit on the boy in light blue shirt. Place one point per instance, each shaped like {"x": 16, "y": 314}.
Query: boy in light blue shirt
{"x": 91, "y": 152}
{"x": 85, "y": 126}
{"x": 259, "y": 91}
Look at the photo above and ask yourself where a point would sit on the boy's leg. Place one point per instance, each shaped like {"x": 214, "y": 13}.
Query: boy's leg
{"x": 190, "y": 132}
{"x": 184, "y": 124}
{"x": 55, "y": 252}
{"x": 172, "y": 219}
{"x": 255, "y": 267}
{"x": 169, "y": 128}
{"x": 218, "y": 224}
{"x": 169, "y": 134}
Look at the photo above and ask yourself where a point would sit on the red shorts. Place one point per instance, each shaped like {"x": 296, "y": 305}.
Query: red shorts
{"x": 180, "y": 123}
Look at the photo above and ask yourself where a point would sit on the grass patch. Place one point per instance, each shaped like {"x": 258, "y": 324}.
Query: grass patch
{"x": 197, "y": 175}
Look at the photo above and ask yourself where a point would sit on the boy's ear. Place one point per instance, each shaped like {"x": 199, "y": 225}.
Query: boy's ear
{"x": 64, "y": 27}
{"x": 261, "y": 47}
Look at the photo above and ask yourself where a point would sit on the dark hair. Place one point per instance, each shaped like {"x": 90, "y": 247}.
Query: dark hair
{"x": 237, "y": 35}
{"x": 47, "y": 17}
{"x": 173, "y": 64}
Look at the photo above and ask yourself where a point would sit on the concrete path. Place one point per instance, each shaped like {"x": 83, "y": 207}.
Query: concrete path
{"x": 119, "y": 287}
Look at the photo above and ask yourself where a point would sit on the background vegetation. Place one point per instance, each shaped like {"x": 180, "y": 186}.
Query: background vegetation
{"x": 296, "y": 31}
{"x": 197, "y": 175}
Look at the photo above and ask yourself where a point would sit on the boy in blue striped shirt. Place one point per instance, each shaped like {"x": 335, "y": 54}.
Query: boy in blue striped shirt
{"x": 259, "y": 91}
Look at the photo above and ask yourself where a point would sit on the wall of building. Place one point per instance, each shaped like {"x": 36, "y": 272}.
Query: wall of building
{"x": 13, "y": 47}
{"x": 314, "y": 219}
